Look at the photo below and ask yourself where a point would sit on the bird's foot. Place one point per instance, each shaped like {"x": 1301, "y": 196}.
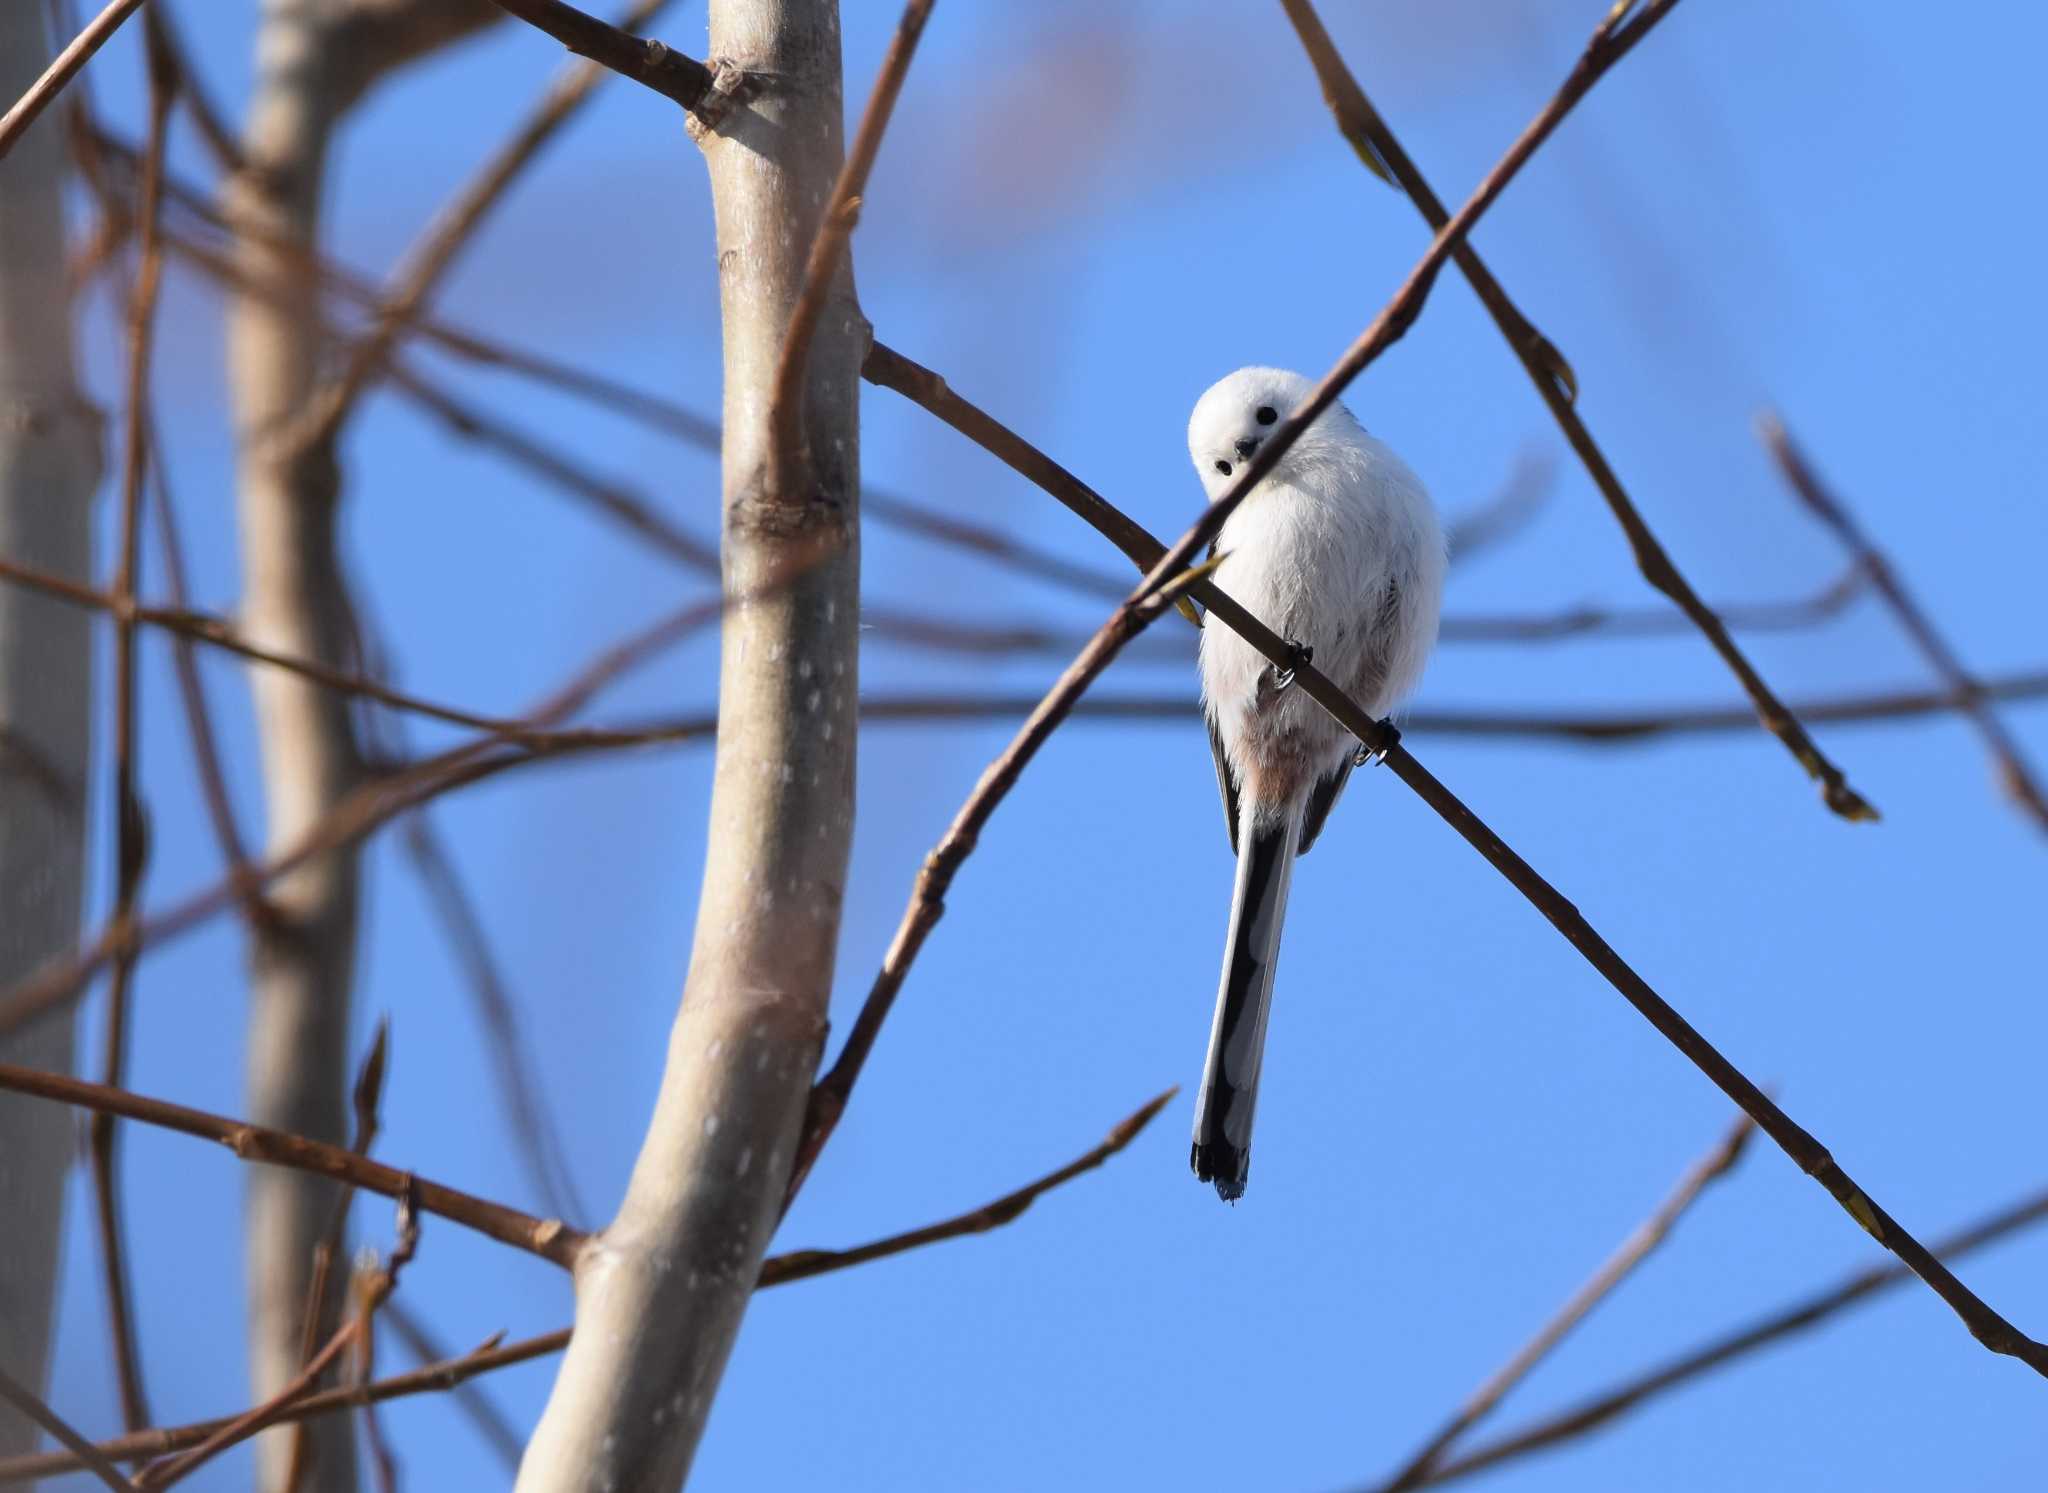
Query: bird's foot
{"x": 1367, "y": 756}
{"x": 1298, "y": 653}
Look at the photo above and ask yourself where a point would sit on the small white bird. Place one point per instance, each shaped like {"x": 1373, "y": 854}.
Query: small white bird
{"x": 1338, "y": 551}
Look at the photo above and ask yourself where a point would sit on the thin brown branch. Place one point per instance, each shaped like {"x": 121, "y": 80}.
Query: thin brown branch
{"x": 452, "y": 1373}
{"x": 62, "y": 69}
{"x": 2017, "y": 777}
{"x": 1792, "y": 615}
{"x": 192, "y": 93}
{"x": 1598, "y": 1410}
{"x": 617, "y": 502}
{"x": 323, "y": 1302}
{"x": 216, "y": 633}
{"x": 649, "y": 63}
{"x": 472, "y": 1399}
{"x": 806, "y": 1263}
{"x": 86, "y": 1455}
{"x": 549, "y": 1238}
{"x": 1554, "y": 380}
{"x": 213, "y": 781}
{"x": 1639, "y": 1245}
{"x": 1170, "y": 572}
{"x": 835, "y": 231}
{"x": 423, "y": 266}
{"x": 131, "y": 818}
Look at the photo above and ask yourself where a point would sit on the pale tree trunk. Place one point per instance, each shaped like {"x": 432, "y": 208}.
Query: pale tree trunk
{"x": 294, "y": 599}
{"x": 49, "y": 466}
{"x": 660, "y": 1294}
{"x": 314, "y": 59}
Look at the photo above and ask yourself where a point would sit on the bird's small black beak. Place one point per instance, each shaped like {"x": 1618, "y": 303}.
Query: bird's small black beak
{"x": 1246, "y": 445}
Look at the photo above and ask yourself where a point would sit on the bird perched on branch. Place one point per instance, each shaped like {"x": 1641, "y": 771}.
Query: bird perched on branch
{"x": 1338, "y": 551}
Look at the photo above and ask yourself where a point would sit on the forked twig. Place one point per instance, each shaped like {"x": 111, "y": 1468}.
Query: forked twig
{"x": 2013, "y": 770}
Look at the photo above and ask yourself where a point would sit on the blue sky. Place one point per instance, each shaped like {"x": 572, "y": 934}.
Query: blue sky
{"x": 1082, "y": 219}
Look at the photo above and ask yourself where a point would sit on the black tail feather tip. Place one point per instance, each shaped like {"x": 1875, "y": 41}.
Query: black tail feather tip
{"x": 1224, "y": 1165}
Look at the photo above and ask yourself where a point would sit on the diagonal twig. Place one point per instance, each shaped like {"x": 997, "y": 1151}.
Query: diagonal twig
{"x": 549, "y": 1238}
{"x": 1375, "y": 142}
{"x": 88, "y": 1456}
{"x": 650, "y": 63}
{"x": 62, "y": 69}
{"x": 423, "y": 266}
{"x": 835, "y": 230}
{"x": 2013, "y": 770}
{"x": 1639, "y": 1245}
{"x": 1598, "y": 1410}
{"x": 131, "y": 818}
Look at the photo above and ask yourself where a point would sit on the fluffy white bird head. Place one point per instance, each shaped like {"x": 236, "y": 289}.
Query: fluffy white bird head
{"x": 1232, "y": 420}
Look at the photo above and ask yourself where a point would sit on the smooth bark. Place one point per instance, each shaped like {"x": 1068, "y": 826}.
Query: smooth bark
{"x": 660, "y": 1294}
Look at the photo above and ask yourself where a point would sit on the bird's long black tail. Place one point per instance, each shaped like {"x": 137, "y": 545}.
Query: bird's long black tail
{"x": 1237, "y": 1040}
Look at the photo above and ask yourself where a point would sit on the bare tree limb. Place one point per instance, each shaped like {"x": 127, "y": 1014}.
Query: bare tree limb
{"x": 62, "y": 69}
{"x": 131, "y": 816}
{"x": 2013, "y": 771}
{"x": 424, "y": 265}
{"x": 630, "y": 1400}
{"x": 452, "y": 1373}
{"x": 1598, "y": 1410}
{"x": 31, "y": 1405}
{"x": 1639, "y": 1245}
{"x": 548, "y": 1238}
{"x": 649, "y": 63}
{"x": 473, "y": 1399}
{"x": 1554, "y": 380}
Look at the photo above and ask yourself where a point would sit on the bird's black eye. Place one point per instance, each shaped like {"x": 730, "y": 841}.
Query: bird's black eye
{"x": 1223, "y": 467}
{"x": 1265, "y": 414}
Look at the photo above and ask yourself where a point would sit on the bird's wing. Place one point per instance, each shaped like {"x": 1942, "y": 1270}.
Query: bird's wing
{"x": 1371, "y": 679}
{"x": 1321, "y": 799}
{"x": 1223, "y": 779}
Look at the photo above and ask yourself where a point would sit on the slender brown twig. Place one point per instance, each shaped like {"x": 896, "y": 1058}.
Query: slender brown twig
{"x": 661, "y": 68}
{"x": 88, "y": 1456}
{"x": 322, "y": 1303}
{"x": 806, "y": 1263}
{"x": 549, "y": 1238}
{"x": 1547, "y": 369}
{"x": 492, "y": 1354}
{"x": 1591, "y": 1413}
{"x": 422, "y": 266}
{"x": 131, "y": 818}
{"x": 473, "y": 1399}
{"x": 62, "y": 69}
{"x": 2013, "y": 770}
{"x": 1633, "y": 1250}
{"x": 835, "y": 230}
